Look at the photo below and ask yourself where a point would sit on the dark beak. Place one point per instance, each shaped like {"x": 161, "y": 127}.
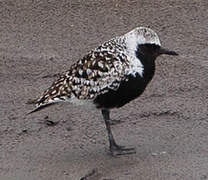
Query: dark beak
{"x": 166, "y": 51}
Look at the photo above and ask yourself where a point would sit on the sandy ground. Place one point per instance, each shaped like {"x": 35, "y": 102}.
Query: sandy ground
{"x": 168, "y": 124}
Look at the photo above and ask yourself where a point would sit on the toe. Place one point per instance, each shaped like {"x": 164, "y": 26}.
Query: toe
{"x": 121, "y": 150}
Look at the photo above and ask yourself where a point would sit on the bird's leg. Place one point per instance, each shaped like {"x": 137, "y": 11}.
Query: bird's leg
{"x": 114, "y": 122}
{"x": 111, "y": 121}
{"x": 115, "y": 149}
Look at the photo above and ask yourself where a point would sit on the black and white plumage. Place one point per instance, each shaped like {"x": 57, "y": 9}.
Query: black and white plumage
{"x": 109, "y": 76}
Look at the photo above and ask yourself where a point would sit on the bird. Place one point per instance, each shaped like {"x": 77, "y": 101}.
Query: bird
{"x": 109, "y": 76}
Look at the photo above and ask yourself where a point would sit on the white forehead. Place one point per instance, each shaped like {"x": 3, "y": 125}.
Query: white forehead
{"x": 144, "y": 35}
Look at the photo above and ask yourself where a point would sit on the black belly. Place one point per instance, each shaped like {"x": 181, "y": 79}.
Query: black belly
{"x": 127, "y": 91}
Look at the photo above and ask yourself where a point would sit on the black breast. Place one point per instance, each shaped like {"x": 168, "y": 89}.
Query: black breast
{"x": 130, "y": 89}
{"x": 127, "y": 91}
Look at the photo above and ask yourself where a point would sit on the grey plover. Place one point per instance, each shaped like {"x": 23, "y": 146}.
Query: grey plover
{"x": 109, "y": 76}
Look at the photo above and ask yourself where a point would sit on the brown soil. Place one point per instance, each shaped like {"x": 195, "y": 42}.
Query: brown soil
{"x": 168, "y": 124}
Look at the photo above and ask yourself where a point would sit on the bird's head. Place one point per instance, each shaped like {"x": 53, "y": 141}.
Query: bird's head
{"x": 147, "y": 42}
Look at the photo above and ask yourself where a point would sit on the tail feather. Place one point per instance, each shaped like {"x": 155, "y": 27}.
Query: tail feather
{"x": 56, "y": 93}
{"x": 46, "y": 101}
{"x": 40, "y": 107}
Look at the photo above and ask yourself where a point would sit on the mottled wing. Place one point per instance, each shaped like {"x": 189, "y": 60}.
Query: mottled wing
{"x": 96, "y": 73}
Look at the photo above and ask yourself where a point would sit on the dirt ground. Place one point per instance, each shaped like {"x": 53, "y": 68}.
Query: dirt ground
{"x": 168, "y": 124}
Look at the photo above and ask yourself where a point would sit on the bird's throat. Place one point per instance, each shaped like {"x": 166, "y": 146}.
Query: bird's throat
{"x": 148, "y": 63}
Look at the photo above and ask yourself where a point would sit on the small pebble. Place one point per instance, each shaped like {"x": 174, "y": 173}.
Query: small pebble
{"x": 160, "y": 153}
{"x": 25, "y": 131}
{"x": 51, "y": 123}
{"x": 89, "y": 175}
{"x": 68, "y": 128}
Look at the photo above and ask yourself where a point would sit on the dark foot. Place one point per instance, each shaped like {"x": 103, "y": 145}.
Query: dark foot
{"x": 121, "y": 150}
{"x": 114, "y": 122}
